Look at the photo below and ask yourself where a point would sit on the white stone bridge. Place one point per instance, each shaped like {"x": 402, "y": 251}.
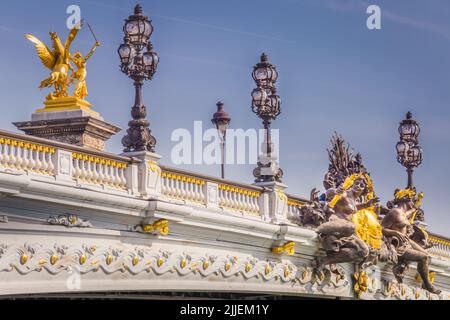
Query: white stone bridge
{"x": 76, "y": 221}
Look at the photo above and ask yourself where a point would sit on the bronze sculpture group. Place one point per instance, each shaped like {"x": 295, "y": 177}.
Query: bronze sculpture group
{"x": 354, "y": 227}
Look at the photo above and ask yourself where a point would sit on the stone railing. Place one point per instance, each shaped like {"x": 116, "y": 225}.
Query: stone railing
{"x": 293, "y": 204}
{"x": 241, "y": 199}
{"x": 99, "y": 170}
{"x": 210, "y": 191}
{"x": 441, "y": 246}
{"x": 183, "y": 187}
{"x": 63, "y": 161}
{"x": 25, "y": 155}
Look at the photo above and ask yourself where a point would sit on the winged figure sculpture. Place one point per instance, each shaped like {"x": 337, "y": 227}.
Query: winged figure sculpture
{"x": 57, "y": 60}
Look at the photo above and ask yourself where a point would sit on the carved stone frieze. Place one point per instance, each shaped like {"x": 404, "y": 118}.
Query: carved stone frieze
{"x": 28, "y": 258}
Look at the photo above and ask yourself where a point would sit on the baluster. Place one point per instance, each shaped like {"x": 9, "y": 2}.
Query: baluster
{"x": 248, "y": 202}
{"x": 221, "y": 197}
{"x": 44, "y": 167}
{"x": 163, "y": 183}
{"x": 89, "y": 173}
{"x": 5, "y": 153}
{"x": 28, "y": 165}
{"x": 203, "y": 192}
{"x": 76, "y": 168}
{"x": 51, "y": 165}
{"x": 38, "y": 164}
{"x": 182, "y": 183}
{"x": 114, "y": 174}
{"x": 228, "y": 202}
{"x": 11, "y": 159}
{"x": 96, "y": 167}
{"x": 109, "y": 174}
{"x": 19, "y": 156}
{"x": 256, "y": 204}
{"x": 189, "y": 194}
{"x": 101, "y": 177}
{"x": 199, "y": 192}
{"x": 170, "y": 187}
{"x": 174, "y": 186}
{"x": 2, "y": 147}
{"x": 123, "y": 179}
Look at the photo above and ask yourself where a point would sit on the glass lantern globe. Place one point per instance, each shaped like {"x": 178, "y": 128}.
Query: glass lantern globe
{"x": 275, "y": 104}
{"x": 402, "y": 148}
{"x": 260, "y": 74}
{"x": 264, "y": 73}
{"x": 259, "y": 96}
{"x": 416, "y": 155}
{"x": 138, "y": 30}
{"x": 148, "y": 29}
{"x": 409, "y": 129}
{"x": 148, "y": 60}
{"x": 125, "y": 52}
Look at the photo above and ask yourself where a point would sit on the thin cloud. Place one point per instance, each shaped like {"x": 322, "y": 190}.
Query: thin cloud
{"x": 200, "y": 24}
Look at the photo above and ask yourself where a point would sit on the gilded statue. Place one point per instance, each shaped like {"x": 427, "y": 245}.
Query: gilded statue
{"x": 80, "y": 75}
{"x": 58, "y": 60}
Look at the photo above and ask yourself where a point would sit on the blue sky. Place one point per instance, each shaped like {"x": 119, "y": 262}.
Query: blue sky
{"x": 335, "y": 75}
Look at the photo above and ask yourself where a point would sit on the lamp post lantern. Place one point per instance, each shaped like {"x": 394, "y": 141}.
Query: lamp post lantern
{"x": 139, "y": 62}
{"x": 409, "y": 152}
{"x": 221, "y": 120}
{"x": 266, "y": 104}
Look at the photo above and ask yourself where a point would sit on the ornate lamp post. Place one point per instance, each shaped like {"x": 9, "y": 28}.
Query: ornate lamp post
{"x": 409, "y": 152}
{"x": 221, "y": 120}
{"x": 267, "y": 105}
{"x": 139, "y": 62}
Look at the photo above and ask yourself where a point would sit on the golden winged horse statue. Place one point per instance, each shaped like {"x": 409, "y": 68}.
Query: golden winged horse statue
{"x": 57, "y": 60}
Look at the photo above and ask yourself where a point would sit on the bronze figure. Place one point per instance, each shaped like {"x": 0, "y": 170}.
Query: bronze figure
{"x": 398, "y": 230}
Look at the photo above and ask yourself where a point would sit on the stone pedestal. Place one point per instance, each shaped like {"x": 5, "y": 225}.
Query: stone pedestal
{"x": 277, "y": 201}
{"x": 69, "y": 120}
{"x": 148, "y": 171}
{"x": 268, "y": 168}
